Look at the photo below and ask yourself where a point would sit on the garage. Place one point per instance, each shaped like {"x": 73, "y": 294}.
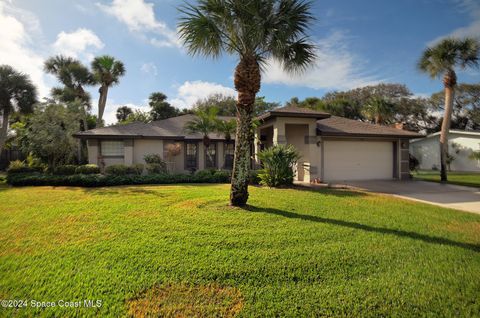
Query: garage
{"x": 358, "y": 160}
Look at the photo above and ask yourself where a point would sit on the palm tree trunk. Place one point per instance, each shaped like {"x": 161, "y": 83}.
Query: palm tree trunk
{"x": 102, "y": 101}
{"x": 3, "y": 130}
{"x": 449, "y": 83}
{"x": 247, "y": 84}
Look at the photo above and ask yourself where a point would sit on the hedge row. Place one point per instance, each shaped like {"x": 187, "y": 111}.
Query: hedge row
{"x": 99, "y": 180}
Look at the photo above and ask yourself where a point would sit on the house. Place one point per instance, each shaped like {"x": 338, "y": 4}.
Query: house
{"x": 461, "y": 144}
{"x": 332, "y": 148}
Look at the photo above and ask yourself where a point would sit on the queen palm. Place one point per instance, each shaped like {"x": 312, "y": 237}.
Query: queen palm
{"x": 107, "y": 72}
{"x": 256, "y": 32}
{"x": 442, "y": 60}
{"x": 17, "y": 93}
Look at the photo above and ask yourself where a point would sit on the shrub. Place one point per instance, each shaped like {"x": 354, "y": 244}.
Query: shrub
{"x": 153, "y": 158}
{"x": 87, "y": 169}
{"x": 18, "y": 166}
{"x": 155, "y": 168}
{"x": 65, "y": 170}
{"x": 136, "y": 169}
{"x": 254, "y": 177}
{"x": 413, "y": 163}
{"x": 278, "y": 162}
{"x": 35, "y": 163}
{"x": 117, "y": 170}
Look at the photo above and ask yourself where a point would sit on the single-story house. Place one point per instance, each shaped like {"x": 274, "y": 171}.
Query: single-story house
{"x": 461, "y": 144}
{"x": 332, "y": 148}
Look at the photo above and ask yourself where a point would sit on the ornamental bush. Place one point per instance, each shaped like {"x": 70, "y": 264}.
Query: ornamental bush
{"x": 278, "y": 164}
{"x": 65, "y": 170}
{"x": 87, "y": 169}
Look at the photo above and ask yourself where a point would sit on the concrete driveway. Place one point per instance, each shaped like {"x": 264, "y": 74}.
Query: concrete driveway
{"x": 445, "y": 195}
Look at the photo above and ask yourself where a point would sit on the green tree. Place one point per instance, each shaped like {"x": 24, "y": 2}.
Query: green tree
{"x": 161, "y": 109}
{"x": 205, "y": 123}
{"x": 226, "y": 105}
{"x": 442, "y": 60}
{"x": 226, "y": 127}
{"x": 107, "y": 72}
{"x": 73, "y": 75}
{"x": 138, "y": 116}
{"x": 262, "y": 106}
{"x": 254, "y": 31}
{"x": 123, "y": 112}
{"x": 17, "y": 94}
{"x": 379, "y": 111}
{"x": 48, "y": 134}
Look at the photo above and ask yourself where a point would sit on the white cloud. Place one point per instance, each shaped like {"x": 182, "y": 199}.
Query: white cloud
{"x": 80, "y": 43}
{"x": 139, "y": 16}
{"x": 336, "y": 68}
{"x": 16, "y": 44}
{"x": 110, "y": 115}
{"x": 190, "y": 92}
{"x": 149, "y": 68}
{"x": 472, "y": 8}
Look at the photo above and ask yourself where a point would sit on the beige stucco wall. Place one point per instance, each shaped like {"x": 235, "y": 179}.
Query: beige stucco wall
{"x": 142, "y": 147}
{"x": 427, "y": 151}
{"x": 92, "y": 148}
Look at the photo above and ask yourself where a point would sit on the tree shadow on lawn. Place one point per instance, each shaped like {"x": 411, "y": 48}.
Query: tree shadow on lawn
{"x": 123, "y": 190}
{"x": 368, "y": 228}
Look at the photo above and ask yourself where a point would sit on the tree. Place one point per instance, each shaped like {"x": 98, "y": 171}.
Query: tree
{"x": 107, "y": 72}
{"x": 226, "y": 127}
{"x": 379, "y": 111}
{"x": 255, "y": 31}
{"x": 262, "y": 106}
{"x": 123, "y": 112}
{"x": 161, "y": 109}
{"x": 17, "y": 94}
{"x": 73, "y": 75}
{"x": 138, "y": 116}
{"x": 48, "y": 133}
{"x": 442, "y": 60}
{"x": 226, "y": 105}
{"x": 203, "y": 123}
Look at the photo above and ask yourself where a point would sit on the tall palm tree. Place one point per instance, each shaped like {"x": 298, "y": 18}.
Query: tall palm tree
{"x": 442, "y": 60}
{"x": 226, "y": 127}
{"x": 73, "y": 75}
{"x": 379, "y": 110}
{"x": 255, "y": 31}
{"x": 17, "y": 93}
{"x": 107, "y": 72}
{"x": 123, "y": 112}
{"x": 204, "y": 123}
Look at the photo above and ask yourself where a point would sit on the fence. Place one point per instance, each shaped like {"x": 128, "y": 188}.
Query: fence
{"x": 8, "y": 155}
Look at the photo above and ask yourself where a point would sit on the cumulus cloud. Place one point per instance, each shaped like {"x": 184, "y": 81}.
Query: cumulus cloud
{"x": 110, "y": 115}
{"x": 81, "y": 43}
{"x": 472, "y": 8}
{"x": 139, "y": 16}
{"x": 149, "y": 68}
{"x": 190, "y": 92}
{"x": 17, "y": 29}
{"x": 335, "y": 68}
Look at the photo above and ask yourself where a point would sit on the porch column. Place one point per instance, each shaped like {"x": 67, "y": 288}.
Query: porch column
{"x": 279, "y": 132}
{"x": 201, "y": 156}
{"x": 314, "y": 153}
{"x": 128, "y": 151}
{"x": 220, "y": 154}
{"x": 256, "y": 145}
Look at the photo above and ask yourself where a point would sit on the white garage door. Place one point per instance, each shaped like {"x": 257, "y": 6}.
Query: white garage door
{"x": 358, "y": 160}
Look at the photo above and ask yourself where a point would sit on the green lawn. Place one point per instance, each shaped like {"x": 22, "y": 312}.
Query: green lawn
{"x": 180, "y": 250}
{"x": 470, "y": 179}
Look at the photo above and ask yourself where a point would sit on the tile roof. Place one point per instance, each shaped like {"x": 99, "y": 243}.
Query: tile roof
{"x": 339, "y": 126}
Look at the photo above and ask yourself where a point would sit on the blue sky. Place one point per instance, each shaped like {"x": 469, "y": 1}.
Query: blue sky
{"x": 360, "y": 43}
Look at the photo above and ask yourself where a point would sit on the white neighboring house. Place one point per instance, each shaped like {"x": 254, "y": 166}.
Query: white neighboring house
{"x": 461, "y": 144}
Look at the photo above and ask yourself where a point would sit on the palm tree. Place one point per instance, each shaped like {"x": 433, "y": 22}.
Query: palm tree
{"x": 379, "y": 110}
{"x": 203, "y": 123}
{"x": 73, "y": 75}
{"x": 442, "y": 60}
{"x": 226, "y": 127}
{"x": 123, "y": 112}
{"x": 17, "y": 93}
{"x": 107, "y": 72}
{"x": 255, "y": 31}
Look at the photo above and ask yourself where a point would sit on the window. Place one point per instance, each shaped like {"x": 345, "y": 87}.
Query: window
{"x": 211, "y": 156}
{"x": 229, "y": 149}
{"x": 112, "y": 148}
{"x": 191, "y": 154}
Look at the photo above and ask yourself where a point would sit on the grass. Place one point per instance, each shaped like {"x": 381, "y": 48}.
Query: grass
{"x": 181, "y": 251}
{"x": 470, "y": 179}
